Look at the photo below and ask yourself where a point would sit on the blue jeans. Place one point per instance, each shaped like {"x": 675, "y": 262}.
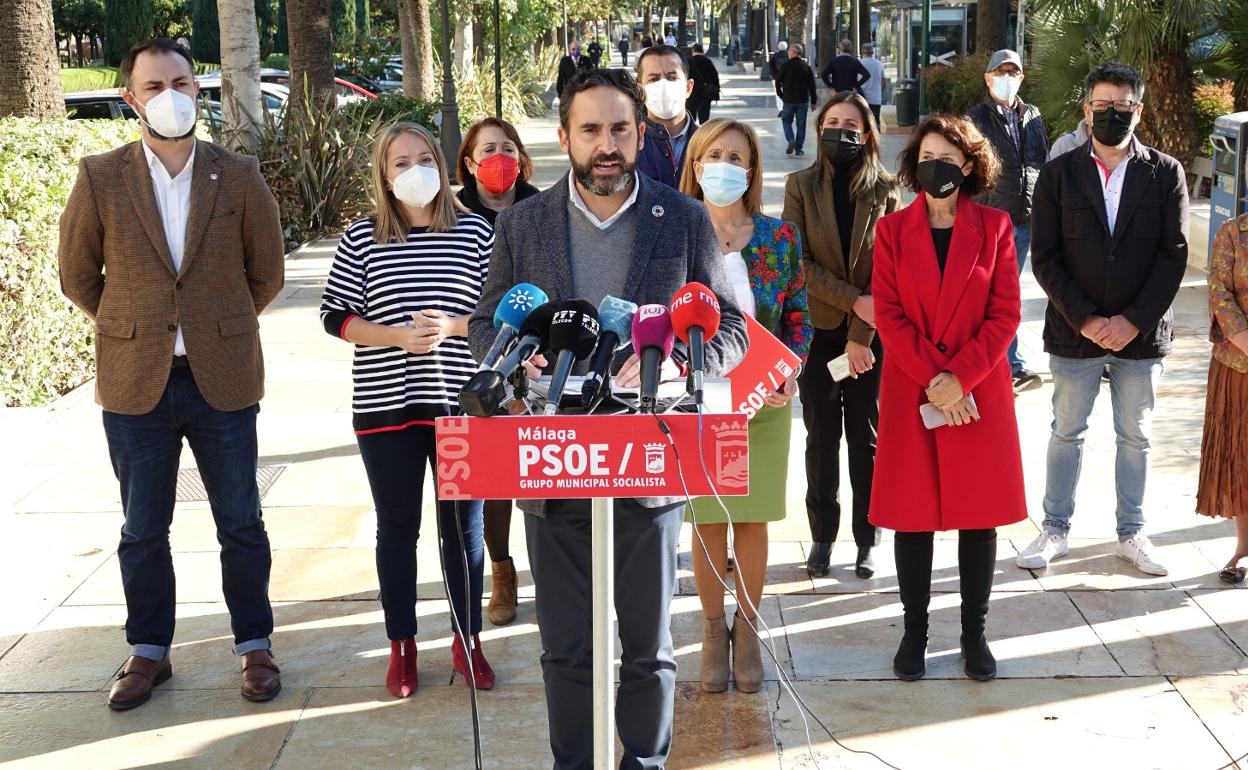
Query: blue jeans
{"x": 1133, "y": 389}
{"x": 144, "y": 450}
{"x": 787, "y": 115}
{"x": 395, "y": 463}
{"x": 1022, "y": 244}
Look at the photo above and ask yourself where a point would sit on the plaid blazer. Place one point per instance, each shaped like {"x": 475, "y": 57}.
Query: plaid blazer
{"x": 115, "y": 265}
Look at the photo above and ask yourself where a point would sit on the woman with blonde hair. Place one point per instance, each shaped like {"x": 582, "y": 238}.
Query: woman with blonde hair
{"x": 401, "y": 289}
{"x": 763, "y": 257}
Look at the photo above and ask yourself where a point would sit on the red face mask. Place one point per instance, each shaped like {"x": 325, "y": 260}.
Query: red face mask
{"x": 498, "y": 173}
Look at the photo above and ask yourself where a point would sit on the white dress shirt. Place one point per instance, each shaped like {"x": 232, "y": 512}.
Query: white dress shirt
{"x": 173, "y": 198}
{"x": 1111, "y": 182}
{"x": 739, "y": 278}
{"x": 602, "y": 224}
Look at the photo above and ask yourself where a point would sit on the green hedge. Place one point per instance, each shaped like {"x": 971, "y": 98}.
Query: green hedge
{"x": 47, "y": 347}
{"x": 74, "y": 80}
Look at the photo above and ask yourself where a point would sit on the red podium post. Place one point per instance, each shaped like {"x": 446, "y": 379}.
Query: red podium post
{"x": 599, "y": 457}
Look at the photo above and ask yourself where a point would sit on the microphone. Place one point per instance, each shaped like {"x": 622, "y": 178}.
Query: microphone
{"x": 485, "y": 391}
{"x": 652, "y": 341}
{"x": 515, "y": 306}
{"x": 573, "y": 332}
{"x": 616, "y": 317}
{"x": 695, "y": 320}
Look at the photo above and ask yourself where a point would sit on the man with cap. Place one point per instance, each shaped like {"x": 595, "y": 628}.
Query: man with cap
{"x": 1017, "y": 132}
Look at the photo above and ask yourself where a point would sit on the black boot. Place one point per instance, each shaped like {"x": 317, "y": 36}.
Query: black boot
{"x": 864, "y": 566}
{"x": 913, "y": 553}
{"x": 977, "y": 560}
{"x": 819, "y": 562}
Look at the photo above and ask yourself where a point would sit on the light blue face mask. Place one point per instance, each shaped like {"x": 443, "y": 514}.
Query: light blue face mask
{"x": 723, "y": 184}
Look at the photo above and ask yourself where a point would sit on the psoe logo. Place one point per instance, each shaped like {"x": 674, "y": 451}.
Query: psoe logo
{"x": 650, "y": 311}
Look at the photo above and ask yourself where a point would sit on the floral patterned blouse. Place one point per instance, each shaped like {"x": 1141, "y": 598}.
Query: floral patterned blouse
{"x": 774, "y": 259}
{"x": 1228, "y": 292}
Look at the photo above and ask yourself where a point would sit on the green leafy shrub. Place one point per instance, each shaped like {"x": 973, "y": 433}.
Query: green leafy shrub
{"x": 956, "y": 88}
{"x": 77, "y": 79}
{"x": 391, "y": 108}
{"x": 1212, "y": 100}
{"x": 47, "y": 346}
{"x": 278, "y": 61}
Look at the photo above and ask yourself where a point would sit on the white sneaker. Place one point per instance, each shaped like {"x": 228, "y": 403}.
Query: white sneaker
{"x": 1047, "y": 546}
{"x": 1139, "y": 551}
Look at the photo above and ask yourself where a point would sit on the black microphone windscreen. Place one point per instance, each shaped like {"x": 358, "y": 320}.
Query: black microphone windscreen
{"x": 575, "y": 330}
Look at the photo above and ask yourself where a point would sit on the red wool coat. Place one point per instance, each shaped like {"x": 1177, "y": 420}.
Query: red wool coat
{"x": 953, "y": 477}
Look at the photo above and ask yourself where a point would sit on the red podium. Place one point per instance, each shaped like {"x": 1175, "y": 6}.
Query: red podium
{"x": 598, "y": 457}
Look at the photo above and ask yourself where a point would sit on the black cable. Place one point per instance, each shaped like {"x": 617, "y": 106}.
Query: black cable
{"x": 1233, "y": 762}
{"x": 788, "y": 685}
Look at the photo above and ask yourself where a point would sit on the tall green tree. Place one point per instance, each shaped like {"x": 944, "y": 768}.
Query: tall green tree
{"x": 126, "y": 22}
{"x": 205, "y": 31}
{"x": 172, "y": 18}
{"x": 30, "y": 81}
{"x": 342, "y": 19}
{"x": 363, "y": 22}
{"x": 281, "y": 37}
{"x": 266, "y": 24}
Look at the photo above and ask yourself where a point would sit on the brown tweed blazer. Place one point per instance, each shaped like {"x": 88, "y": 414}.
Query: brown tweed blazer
{"x": 831, "y": 288}
{"x": 115, "y": 265}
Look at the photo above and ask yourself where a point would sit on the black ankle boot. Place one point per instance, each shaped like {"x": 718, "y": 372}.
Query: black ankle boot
{"x": 913, "y": 553}
{"x": 864, "y": 565}
{"x": 977, "y": 559}
{"x": 819, "y": 562}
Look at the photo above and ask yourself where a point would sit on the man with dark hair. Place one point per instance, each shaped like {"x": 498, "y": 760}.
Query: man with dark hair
{"x": 623, "y": 49}
{"x": 608, "y": 230}
{"x": 844, "y": 72}
{"x": 173, "y": 246}
{"x": 705, "y": 84}
{"x": 1017, "y": 133}
{"x": 663, "y": 72}
{"x": 795, "y": 85}
{"x": 594, "y": 49}
{"x": 1109, "y": 247}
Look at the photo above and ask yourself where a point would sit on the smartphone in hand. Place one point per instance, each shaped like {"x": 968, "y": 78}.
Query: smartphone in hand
{"x": 934, "y": 418}
{"x": 839, "y": 366}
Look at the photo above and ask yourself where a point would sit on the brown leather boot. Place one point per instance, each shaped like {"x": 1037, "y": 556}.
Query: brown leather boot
{"x": 502, "y": 607}
{"x": 262, "y": 679}
{"x": 135, "y": 682}
{"x": 714, "y": 671}
{"x": 747, "y": 658}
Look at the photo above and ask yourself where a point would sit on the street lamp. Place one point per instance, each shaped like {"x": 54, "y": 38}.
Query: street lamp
{"x": 450, "y": 111}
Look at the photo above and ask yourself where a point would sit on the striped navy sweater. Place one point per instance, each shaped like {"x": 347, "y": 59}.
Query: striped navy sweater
{"x": 386, "y": 284}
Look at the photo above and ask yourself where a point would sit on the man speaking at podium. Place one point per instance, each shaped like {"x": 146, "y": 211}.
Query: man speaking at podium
{"x": 603, "y": 232}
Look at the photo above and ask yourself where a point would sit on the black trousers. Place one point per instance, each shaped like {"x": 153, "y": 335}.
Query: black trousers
{"x": 875, "y": 111}
{"x": 830, "y": 409}
{"x": 701, "y": 110}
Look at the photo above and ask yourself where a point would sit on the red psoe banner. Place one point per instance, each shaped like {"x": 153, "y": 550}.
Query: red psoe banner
{"x": 517, "y": 458}
{"x": 767, "y": 364}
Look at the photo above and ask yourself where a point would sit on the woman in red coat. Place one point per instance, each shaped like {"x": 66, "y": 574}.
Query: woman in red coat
{"x": 946, "y": 308}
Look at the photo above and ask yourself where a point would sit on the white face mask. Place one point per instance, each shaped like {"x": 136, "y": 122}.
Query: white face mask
{"x": 665, "y": 99}
{"x": 170, "y": 114}
{"x": 417, "y": 186}
{"x": 1005, "y": 88}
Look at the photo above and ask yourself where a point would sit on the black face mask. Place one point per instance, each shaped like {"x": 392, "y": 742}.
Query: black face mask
{"x": 841, "y": 145}
{"x": 1111, "y": 127}
{"x": 939, "y": 178}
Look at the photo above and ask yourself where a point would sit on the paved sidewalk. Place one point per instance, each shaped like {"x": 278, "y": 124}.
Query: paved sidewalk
{"x": 1100, "y": 666}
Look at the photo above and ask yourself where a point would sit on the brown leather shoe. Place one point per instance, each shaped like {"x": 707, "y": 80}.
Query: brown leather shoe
{"x": 262, "y": 679}
{"x": 135, "y": 682}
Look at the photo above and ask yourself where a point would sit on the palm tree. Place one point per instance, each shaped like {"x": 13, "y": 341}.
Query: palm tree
{"x": 1231, "y": 19}
{"x": 1154, "y": 35}
{"x": 795, "y": 13}
{"x": 240, "y": 72}
{"x": 30, "y": 80}
{"x": 991, "y": 25}
{"x": 416, "y": 31}
{"x": 311, "y": 52}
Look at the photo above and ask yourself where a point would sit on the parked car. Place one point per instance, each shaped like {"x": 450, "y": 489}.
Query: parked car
{"x": 272, "y": 94}
{"x": 98, "y": 105}
{"x": 345, "y": 91}
{"x": 392, "y": 76}
{"x": 356, "y": 79}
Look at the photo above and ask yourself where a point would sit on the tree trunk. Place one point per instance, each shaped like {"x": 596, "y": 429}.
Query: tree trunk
{"x": 482, "y": 14}
{"x": 311, "y": 53}
{"x": 419, "y": 79}
{"x": 992, "y": 21}
{"x": 864, "y": 24}
{"x": 240, "y": 74}
{"x": 795, "y": 13}
{"x": 463, "y": 53}
{"x": 734, "y": 24}
{"x": 1168, "y": 123}
{"x": 647, "y": 24}
{"x": 30, "y": 81}
{"x": 680, "y": 22}
{"x": 825, "y": 31}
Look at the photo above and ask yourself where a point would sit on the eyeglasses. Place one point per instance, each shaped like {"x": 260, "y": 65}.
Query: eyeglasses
{"x": 1122, "y": 105}
{"x": 1010, "y": 73}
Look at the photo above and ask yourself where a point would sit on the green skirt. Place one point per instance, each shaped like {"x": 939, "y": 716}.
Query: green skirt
{"x": 769, "y": 472}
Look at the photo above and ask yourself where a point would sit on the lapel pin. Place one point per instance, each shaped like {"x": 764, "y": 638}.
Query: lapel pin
{"x": 213, "y": 177}
{"x": 657, "y": 211}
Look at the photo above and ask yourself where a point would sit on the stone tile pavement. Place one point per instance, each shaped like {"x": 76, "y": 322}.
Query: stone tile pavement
{"x": 1100, "y": 666}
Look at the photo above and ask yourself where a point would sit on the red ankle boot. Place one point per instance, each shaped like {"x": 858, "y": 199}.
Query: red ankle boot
{"x": 482, "y": 674}
{"x": 401, "y": 679}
